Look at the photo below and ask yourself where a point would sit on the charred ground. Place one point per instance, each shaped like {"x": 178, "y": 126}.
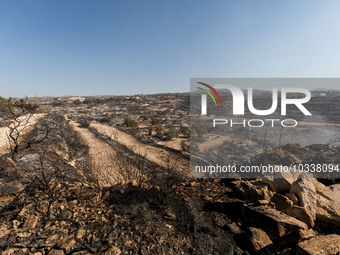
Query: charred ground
{"x": 57, "y": 198}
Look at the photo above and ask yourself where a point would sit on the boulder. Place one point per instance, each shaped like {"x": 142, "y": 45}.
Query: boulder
{"x": 328, "y": 204}
{"x": 306, "y": 234}
{"x": 251, "y": 190}
{"x": 292, "y": 197}
{"x": 234, "y": 228}
{"x": 274, "y": 222}
{"x": 304, "y": 189}
{"x": 301, "y": 214}
{"x": 259, "y": 240}
{"x": 281, "y": 202}
{"x": 326, "y": 244}
{"x": 318, "y": 185}
{"x": 280, "y": 181}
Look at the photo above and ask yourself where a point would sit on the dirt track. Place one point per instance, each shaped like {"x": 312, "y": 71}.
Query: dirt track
{"x": 154, "y": 154}
{"x": 102, "y": 157}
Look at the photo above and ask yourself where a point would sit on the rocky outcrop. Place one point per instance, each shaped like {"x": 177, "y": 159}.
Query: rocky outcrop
{"x": 302, "y": 214}
{"x": 282, "y": 203}
{"x": 304, "y": 189}
{"x": 252, "y": 190}
{"x": 306, "y": 234}
{"x": 328, "y": 203}
{"x": 327, "y": 244}
{"x": 259, "y": 240}
{"x": 280, "y": 181}
{"x": 276, "y": 223}
{"x": 292, "y": 197}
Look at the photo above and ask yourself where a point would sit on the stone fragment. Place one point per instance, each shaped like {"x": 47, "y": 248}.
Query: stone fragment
{"x": 31, "y": 222}
{"x": 272, "y": 221}
{"x": 259, "y": 239}
{"x": 328, "y": 204}
{"x": 282, "y": 203}
{"x": 306, "y": 234}
{"x": 251, "y": 190}
{"x": 302, "y": 214}
{"x": 24, "y": 213}
{"x": 234, "y": 228}
{"x": 292, "y": 197}
{"x": 304, "y": 189}
{"x": 113, "y": 251}
{"x": 325, "y": 244}
{"x": 280, "y": 181}
{"x": 169, "y": 216}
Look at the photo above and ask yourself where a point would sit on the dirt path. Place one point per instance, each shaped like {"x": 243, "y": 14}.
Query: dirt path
{"x": 154, "y": 154}
{"x": 4, "y": 131}
{"x": 102, "y": 157}
{"x": 175, "y": 143}
{"x": 214, "y": 143}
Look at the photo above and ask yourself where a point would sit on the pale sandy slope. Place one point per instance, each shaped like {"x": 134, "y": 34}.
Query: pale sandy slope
{"x": 154, "y": 154}
{"x": 4, "y": 131}
{"x": 102, "y": 157}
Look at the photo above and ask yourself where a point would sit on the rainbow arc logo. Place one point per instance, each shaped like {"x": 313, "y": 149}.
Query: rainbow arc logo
{"x": 209, "y": 93}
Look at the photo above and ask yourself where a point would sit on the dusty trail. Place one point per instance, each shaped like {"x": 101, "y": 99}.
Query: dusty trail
{"x": 4, "y": 131}
{"x": 102, "y": 157}
{"x": 161, "y": 157}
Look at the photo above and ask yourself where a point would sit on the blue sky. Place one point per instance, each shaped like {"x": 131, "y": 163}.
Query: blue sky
{"x": 81, "y": 47}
